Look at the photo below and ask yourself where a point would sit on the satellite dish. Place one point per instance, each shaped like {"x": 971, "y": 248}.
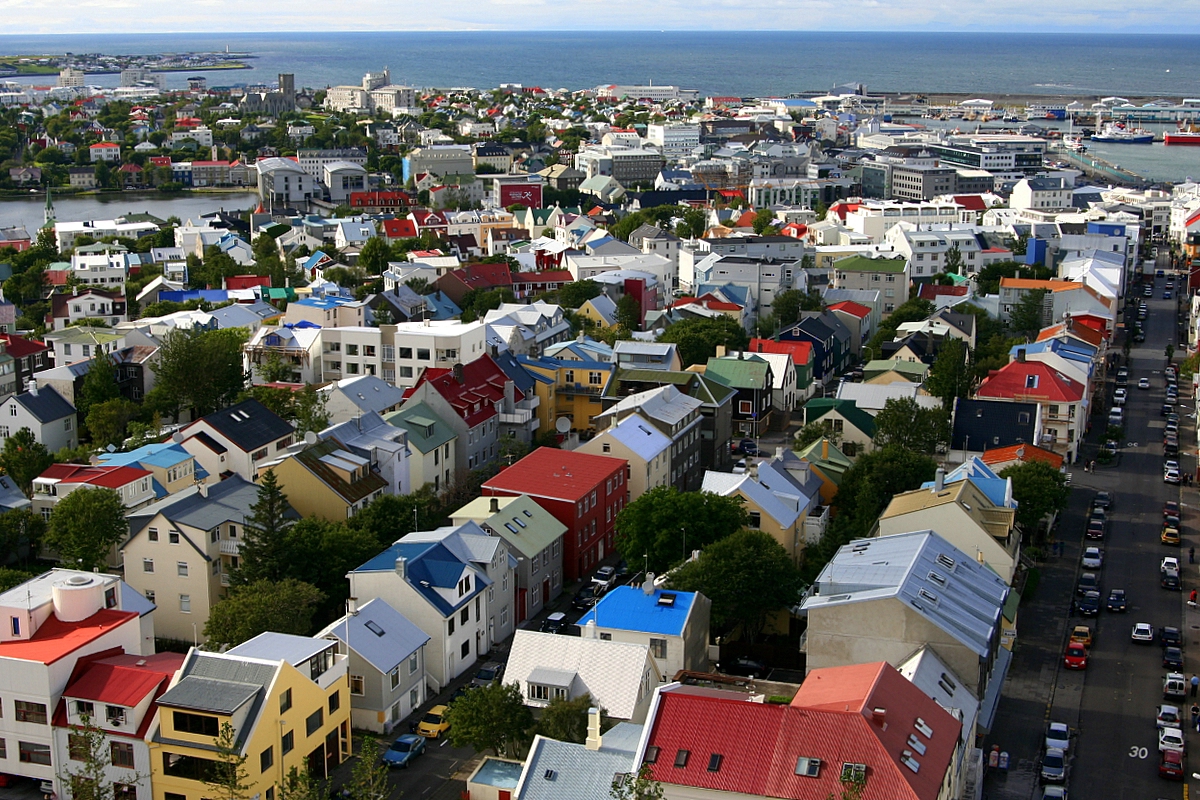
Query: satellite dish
{"x": 310, "y": 437}
{"x": 562, "y": 425}
{"x": 177, "y": 437}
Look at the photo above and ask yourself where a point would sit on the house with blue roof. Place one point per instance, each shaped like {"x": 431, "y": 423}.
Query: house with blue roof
{"x": 387, "y": 664}
{"x": 443, "y": 593}
{"x": 673, "y": 624}
{"x": 439, "y": 306}
{"x": 329, "y": 311}
{"x": 174, "y": 468}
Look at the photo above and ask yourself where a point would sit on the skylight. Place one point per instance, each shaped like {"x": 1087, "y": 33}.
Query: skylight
{"x": 374, "y": 628}
{"x": 808, "y": 767}
{"x": 681, "y": 757}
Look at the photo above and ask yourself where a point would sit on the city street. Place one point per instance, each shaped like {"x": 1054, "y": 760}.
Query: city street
{"x": 1111, "y": 705}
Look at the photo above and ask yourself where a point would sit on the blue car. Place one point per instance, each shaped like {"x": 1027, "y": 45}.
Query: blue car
{"x": 404, "y": 750}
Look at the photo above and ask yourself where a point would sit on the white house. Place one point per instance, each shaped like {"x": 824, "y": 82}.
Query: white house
{"x": 45, "y": 413}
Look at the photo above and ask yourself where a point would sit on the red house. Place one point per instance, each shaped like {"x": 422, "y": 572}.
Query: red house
{"x": 458, "y": 282}
{"x": 397, "y": 229}
{"x": 380, "y": 201}
{"x": 582, "y": 491}
{"x": 247, "y": 281}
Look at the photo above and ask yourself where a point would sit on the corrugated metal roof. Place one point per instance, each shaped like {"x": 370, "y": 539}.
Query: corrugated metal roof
{"x": 383, "y": 636}
{"x": 629, "y": 608}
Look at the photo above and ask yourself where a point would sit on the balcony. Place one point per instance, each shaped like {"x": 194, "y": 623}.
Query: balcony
{"x": 230, "y": 547}
{"x": 518, "y": 416}
{"x": 579, "y": 388}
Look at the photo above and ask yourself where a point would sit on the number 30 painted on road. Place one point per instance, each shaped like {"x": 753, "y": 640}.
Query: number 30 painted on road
{"x": 1138, "y": 752}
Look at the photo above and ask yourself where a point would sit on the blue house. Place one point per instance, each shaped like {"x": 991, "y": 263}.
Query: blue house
{"x": 674, "y": 624}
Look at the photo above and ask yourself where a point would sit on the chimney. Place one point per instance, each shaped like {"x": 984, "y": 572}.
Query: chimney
{"x": 351, "y": 606}
{"x": 458, "y": 373}
{"x": 401, "y": 565}
{"x": 32, "y": 386}
{"x": 202, "y": 488}
{"x": 494, "y": 505}
{"x": 779, "y": 451}
{"x": 760, "y": 347}
{"x": 824, "y": 447}
{"x": 589, "y": 630}
{"x": 720, "y": 351}
{"x": 648, "y": 585}
{"x": 510, "y": 397}
{"x": 1021, "y": 356}
{"x": 939, "y": 480}
{"x": 879, "y": 715}
{"x": 594, "y": 739}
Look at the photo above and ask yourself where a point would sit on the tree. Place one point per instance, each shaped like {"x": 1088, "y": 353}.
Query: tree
{"x": 14, "y": 577}
{"x": 90, "y": 758}
{"x": 374, "y": 256}
{"x": 493, "y": 717}
{"x": 629, "y": 312}
{"x": 1039, "y": 490}
{"x": 286, "y": 606}
{"x": 419, "y": 285}
{"x": 228, "y": 776}
{"x": 310, "y": 412}
{"x": 813, "y": 432}
{"x": 636, "y": 787}
{"x": 99, "y": 385}
{"x": 321, "y": 553}
{"x": 369, "y": 776}
{"x": 698, "y": 338}
{"x": 299, "y": 785}
{"x": 691, "y": 225}
{"x": 954, "y": 261}
{"x": 574, "y": 295}
{"x": 275, "y": 368}
{"x": 763, "y": 219}
{"x": 199, "y": 369}
{"x": 662, "y": 526}
{"x": 21, "y": 534}
{"x": 566, "y": 720}
{"x": 108, "y": 422}
{"x": 907, "y": 424}
{"x": 1029, "y": 315}
{"x": 24, "y": 458}
{"x": 263, "y": 554}
{"x": 85, "y": 526}
{"x": 950, "y": 375}
{"x": 390, "y": 517}
{"x": 748, "y": 576}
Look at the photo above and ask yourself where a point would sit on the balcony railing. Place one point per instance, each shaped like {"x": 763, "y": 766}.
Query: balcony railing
{"x": 230, "y": 547}
{"x": 579, "y": 388}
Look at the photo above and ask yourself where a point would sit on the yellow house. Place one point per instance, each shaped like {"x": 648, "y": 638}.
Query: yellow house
{"x": 600, "y": 310}
{"x": 326, "y": 480}
{"x": 576, "y": 390}
{"x": 644, "y": 448}
{"x": 777, "y": 505}
{"x": 286, "y": 698}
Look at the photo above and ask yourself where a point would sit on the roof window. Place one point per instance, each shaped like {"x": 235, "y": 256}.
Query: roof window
{"x": 714, "y": 762}
{"x": 651, "y": 754}
{"x": 808, "y": 767}
{"x": 924, "y": 728}
{"x": 681, "y": 757}
{"x": 374, "y": 628}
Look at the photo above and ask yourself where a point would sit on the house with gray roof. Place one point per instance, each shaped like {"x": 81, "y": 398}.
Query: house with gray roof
{"x": 45, "y": 413}
{"x": 181, "y": 550}
{"x": 555, "y": 769}
{"x": 233, "y": 440}
{"x": 385, "y": 446}
{"x": 387, "y": 664}
{"x": 363, "y": 394}
{"x": 884, "y": 598}
{"x": 432, "y": 444}
{"x": 647, "y": 355}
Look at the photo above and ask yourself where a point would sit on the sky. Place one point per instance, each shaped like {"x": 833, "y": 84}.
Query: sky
{"x": 217, "y": 16}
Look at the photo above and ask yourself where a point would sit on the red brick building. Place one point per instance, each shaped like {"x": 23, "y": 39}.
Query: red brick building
{"x": 582, "y": 491}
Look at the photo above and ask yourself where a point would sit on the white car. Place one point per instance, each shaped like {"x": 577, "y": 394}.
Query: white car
{"x": 1119, "y": 397}
{"x": 1092, "y": 558}
{"x": 1171, "y": 476}
{"x": 1143, "y": 383}
{"x": 1168, "y": 717}
{"x": 1171, "y": 739}
{"x": 1058, "y": 734}
{"x": 1169, "y": 564}
{"x": 1143, "y": 633}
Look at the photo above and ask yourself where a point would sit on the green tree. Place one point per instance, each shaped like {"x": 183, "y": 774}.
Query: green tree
{"x": 86, "y": 771}
{"x": 199, "y": 369}
{"x": 1029, "y": 315}
{"x": 228, "y": 777}
{"x": 369, "y": 776}
{"x": 299, "y": 785}
{"x": 21, "y": 534}
{"x": 24, "y": 458}
{"x": 636, "y": 787}
{"x": 664, "y": 525}
{"x": 263, "y": 554}
{"x": 629, "y": 313}
{"x": 692, "y": 224}
{"x": 390, "y": 517}
{"x": 493, "y": 717}
{"x": 310, "y": 413}
{"x": 374, "y": 256}
{"x": 275, "y": 368}
{"x": 14, "y": 577}
{"x": 913, "y": 310}
{"x": 419, "y": 285}
{"x": 950, "y": 375}
{"x": 567, "y": 720}
{"x": 763, "y": 219}
{"x": 697, "y": 338}
{"x": 813, "y": 432}
{"x": 748, "y": 576}
{"x": 108, "y": 422}
{"x": 905, "y": 423}
{"x": 285, "y": 606}
{"x": 575, "y": 294}
{"x": 85, "y": 526}
{"x": 1039, "y": 489}
{"x": 321, "y": 553}
{"x": 99, "y": 385}
{"x": 954, "y": 261}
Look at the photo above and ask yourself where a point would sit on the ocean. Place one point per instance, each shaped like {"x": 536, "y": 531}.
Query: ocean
{"x": 744, "y": 63}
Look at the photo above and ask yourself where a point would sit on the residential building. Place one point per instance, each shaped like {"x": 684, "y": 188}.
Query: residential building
{"x": 234, "y": 440}
{"x": 89, "y": 304}
{"x": 285, "y": 698}
{"x": 585, "y": 492}
{"x": 860, "y": 272}
{"x": 433, "y": 344}
{"x": 620, "y": 676}
{"x": 172, "y": 468}
{"x": 325, "y": 479}
{"x": 673, "y": 624}
{"x": 752, "y": 379}
{"x": 843, "y": 419}
{"x": 873, "y": 397}
{"x": 55, "y": 621}
{"x": 830, "y": 339}
{"x": 645, "y": 449}
{"x": 470, "y": 397}
{"x": 632, "y": 354}
{"x": 534, "y": 536}
{"x": 529, "y": 329}
{"x": 675, "y": 417}
{"x": 384, "y": 446}
{"x": 386, "y": 664}
{"x": 284, "y": 183}
{"x": 443, "y": 595}
{"x": 182, "y": 550}
{"x": 629, "y": 166}
{"x": 993, "y": 423}
{"x": 1063, "y": 403}
{"x": 134, "y": 485}
{"x": 801, "y": 354}
{"x": 568, "y": 389}
{"x": 1042, "y": 193}
{"x": 298, "y": 346}
{"x": 351, "y": 398}
{"x": 45, "y": 413}
{"x": 776, "y": 502}
{"x": 433, "y": 442}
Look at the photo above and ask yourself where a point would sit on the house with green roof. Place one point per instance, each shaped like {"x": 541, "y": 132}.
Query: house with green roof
{"x": 432, "y": 442}
{"x": 844, "y": 417}
{"x": 829, "y": 463}
{"x": 752, "y": 379}
{"x": 888, "y": 276}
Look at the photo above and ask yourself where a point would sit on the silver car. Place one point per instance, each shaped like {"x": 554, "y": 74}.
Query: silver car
{"x": 1054, "y": 766}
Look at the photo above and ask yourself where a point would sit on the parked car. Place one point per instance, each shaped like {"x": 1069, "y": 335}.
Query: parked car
{"x": 1172, "y": 658}
{"x": 1171, "y": 476}
{"x": 1120, "y": 396}
{"x": 1088, "y": 582}
{"x": 434, "y": 723}
{"x": 1170, "y": 535}
{"x": 1054, "y": 766}
{"x": 1170, "y": 765}
{"x": 748, "y": 447}
{"x": 1089, "y": 604}
{"x": 1076, "y": 656}
{"x": 1171, "y": 582}
{"x": 1103, "y": 500}
{"x": 1054, "y": 791}
{"x": 1116, "y": 600}
{"x": 1093, "y": 557}
{"x": 1143, "y": 633}
{"x": 1058, "y": 734}
{"x": 1095, "y": 528}
{"x": 585, "y": 598}
{"x": 1168, "y": 717}
{"x": 1171, "y": 739}
{"x": 1170, "y": 636}
{"x": 745, "y": 666}
{"x": 1171, "y": 509}
{"x": 1082, "y": 634}
{"x": 605, "y": 578}
{"x": 1175, "y": 686}
{"x": 488, "y": 674}
{"x": 402, "y": 751}
{"x": 555, "y": 623}
{"x": 1169, "y": 564}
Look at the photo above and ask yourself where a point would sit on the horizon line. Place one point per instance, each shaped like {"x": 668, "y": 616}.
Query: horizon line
{"x": 769, "y": 31}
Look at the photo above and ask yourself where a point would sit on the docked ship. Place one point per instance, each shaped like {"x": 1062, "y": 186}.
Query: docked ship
{"x": 1187, "y": 134}
{"x": 1117, "y": 133}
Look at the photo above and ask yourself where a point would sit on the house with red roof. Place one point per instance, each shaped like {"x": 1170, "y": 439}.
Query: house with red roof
{"x": 585, "y": 492}
{"x": 130, "y": 175}
{"x": 381, "y": 201}
{"x": 471, "y": 398}
{"x": 480, "y": 277}
{"x": 135, "y": 485}
{"x": 117, "y": 695}
{"x": 55, "y": 623}
{"x": 1062, "y": 402}
{"x": 1061, "y": 298}
{"x": 530, "y": 284}
{"x": 397, "y": 229}
{"x": 864, "y": 723}
{"x": 857, "y": 318}
{"x": 105, "y": 151}
{"x": 434, "y": 221}
{"x": 1000, "y": 458}
{"x": 30, "y": 355}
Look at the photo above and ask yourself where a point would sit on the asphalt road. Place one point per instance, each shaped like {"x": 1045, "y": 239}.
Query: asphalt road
{"x": 1116, "y": 752}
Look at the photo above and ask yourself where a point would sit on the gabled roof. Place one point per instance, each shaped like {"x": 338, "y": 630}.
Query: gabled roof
{"x": 429, "y": 566}
{"x": 526, "y": 526}
{"x": 474, "y": 400}
{"x": 1023, "y": 453}
{"x": 852, "y": 308}
{"x": 368, "y": 392}
{"x": 750, "y": 372}
{"x": 225, "y": 501}
{"x": 221, "y": 684}
{"x": 123, "y": 680}
{"x": 289, "y": 647}
{"x": 469, "y": 542}
{"x": 109, "y": 477}
{"x": 249, "y": 425}
{"x": 820, "y": 406}
{"x": 1030, "y": 380}
{"x": 556, "y": 474}
{"x": 327, "y": 459}
{"x": 664, "y": 403}
{"x": 19, "y": 347}
{"x": 801, "y": 352}
{"x": 639, "y": 436}
{"x": 45, "y": 405}
{"x": 554, "y": 770}
{"x": 780, "y": 505}
{"x": 383, "y": 636}
{"x": 872, "y": 397}
{"x": 630, "y": 608}
{"x": 426, "y": 430}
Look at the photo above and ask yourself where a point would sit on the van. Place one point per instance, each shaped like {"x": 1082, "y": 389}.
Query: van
{"x": 1174, "y": 686}
{"x": 1116, "y": 416}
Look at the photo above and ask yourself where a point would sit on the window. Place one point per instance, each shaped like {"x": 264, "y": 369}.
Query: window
{"x": 315, "y": 721}
{"x": 152, "y": 534}
{"x": 30, "y": 712}
{"x": 115, "y": 715}
{"x": 31, "y": 753}
{"x": 185, "y": 604}
{"x": 173, "y": 537}
{"x": 394, "y": 675}
{"x": 285, "y": 700}
{"x": 77, "y": 747}
{"x": 147, "y": 565}
{"x": 121, "y": 754}
{"x": 149, "y": 593}
{"x": 406, "y": 352}
{"x": 335, "y": 702}
{"x": 198, "y": 724}
{"x": 658, "y": 648}
{"x": 422, "y": 354}
{"x": 412, "y": 663}
{"x": 853, "y": 772}
{"x": 745, "y": 407}
{"x": 414, "y": 697}
{"x": 755, "y": 519}
{"x": 84, "y": 709}
{"x": 124, "y": 791}
{"x": 808, "y": 767}
{"x": 181, "y": 569}
{"x": 681, "y": 757}
{"x": 714, "y": 762}
{"x": 466, "y": 649}
{"x": 266, "y": 759}
{"x": 464, "y": 616}
{"x": 356, "y": 685}
{"x": 287, "y": 742}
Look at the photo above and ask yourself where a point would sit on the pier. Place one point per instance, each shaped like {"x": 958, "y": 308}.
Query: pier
{"x": 1100, "y": 169}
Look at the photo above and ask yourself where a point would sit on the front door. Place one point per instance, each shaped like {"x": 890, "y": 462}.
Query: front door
{"x": 316, "y": 762}
{"x": 332, "y": 751}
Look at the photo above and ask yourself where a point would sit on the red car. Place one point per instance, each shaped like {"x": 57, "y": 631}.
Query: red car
{"x": 1171, "y": 765}
{"x": 1076, "y": 657}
